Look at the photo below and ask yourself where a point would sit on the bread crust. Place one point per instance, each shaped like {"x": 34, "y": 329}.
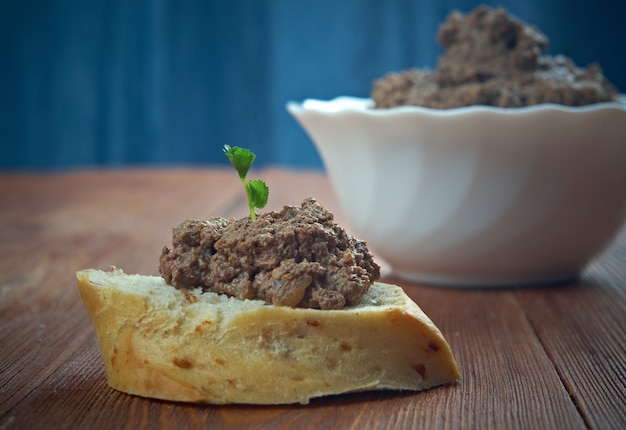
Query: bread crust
{"x": 193, "y": 346}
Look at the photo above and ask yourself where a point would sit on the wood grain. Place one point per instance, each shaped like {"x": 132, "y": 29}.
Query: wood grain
{"x": 552, "y": 357}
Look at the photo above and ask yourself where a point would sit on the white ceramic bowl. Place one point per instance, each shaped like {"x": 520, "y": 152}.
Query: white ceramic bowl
{"x": 476, "y": 196}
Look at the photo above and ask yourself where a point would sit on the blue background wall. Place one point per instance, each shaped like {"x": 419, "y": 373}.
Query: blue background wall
{"x": 127, "y": 82}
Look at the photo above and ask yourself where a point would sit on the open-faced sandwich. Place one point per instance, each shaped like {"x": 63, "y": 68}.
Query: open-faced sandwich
{"x": 276, "y": 308}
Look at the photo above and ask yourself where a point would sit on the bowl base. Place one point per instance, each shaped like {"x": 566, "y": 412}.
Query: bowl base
{"x": 447, "y": 281}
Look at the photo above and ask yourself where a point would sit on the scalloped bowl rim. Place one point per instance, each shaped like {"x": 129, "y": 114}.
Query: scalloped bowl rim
{"x": 365, "y": 106}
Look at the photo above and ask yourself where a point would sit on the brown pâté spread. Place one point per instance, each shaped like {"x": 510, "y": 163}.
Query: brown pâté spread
{"x": 296, "y": 257}
{"x": 493, "y": 58}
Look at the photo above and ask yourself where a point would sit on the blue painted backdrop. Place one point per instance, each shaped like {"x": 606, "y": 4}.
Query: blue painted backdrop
{"x": 157, "y": 82}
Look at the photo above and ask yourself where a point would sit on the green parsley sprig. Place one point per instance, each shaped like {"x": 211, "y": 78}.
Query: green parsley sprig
{"x": 256, "y": 190}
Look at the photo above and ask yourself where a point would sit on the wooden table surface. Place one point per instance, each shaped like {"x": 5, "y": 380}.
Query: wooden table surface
{"x": 532, "y": 358}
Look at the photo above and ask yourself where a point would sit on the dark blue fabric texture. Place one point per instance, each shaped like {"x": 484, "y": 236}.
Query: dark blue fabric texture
{"x": 112, "y": 83}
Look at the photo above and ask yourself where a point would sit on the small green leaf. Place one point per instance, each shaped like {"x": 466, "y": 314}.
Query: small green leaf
{"x": 256, "y": 190}
{"x": 259, "y": 192}
{"x": 240, "y": 158}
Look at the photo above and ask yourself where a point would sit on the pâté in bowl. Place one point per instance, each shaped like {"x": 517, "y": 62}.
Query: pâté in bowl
{"x": 503, "y": 167}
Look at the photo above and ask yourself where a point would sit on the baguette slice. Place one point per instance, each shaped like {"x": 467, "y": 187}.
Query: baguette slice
{"x": 193, "y": 346}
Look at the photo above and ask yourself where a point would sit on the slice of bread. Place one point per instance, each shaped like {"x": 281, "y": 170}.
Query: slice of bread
{"x": 188, "y": 345}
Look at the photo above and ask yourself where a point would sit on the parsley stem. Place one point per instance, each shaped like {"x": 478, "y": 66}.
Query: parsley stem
{"x": 250, "y": 199}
